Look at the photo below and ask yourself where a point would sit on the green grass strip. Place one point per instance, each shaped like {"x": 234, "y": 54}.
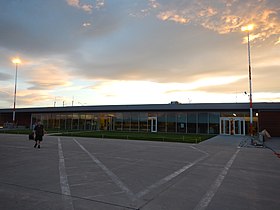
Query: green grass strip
{"x": 164, "y": 137}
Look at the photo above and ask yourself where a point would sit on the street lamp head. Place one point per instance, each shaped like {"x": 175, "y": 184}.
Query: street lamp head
{"x": 247, "y": 28}
{"x": 16, "y": 61}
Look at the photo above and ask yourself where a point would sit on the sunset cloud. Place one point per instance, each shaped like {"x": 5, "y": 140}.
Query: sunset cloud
{"x": 207, "y": 12}
{"x": 103, "y": 52}
{"x": 76, "y": 3}
{"x": 172, "y": 16}
{"x": 47, "y": 77}
{"x": 98, "y": 4}
{"x": 277, "y": 42}
{"x": 227, "y": 16}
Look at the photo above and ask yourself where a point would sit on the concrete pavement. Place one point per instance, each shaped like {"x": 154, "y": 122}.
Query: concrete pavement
{"x": 84, "y": 173}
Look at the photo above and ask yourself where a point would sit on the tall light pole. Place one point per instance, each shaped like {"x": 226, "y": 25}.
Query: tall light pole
{"x": 16, "y": 61}
{"x": 248, "y": 29}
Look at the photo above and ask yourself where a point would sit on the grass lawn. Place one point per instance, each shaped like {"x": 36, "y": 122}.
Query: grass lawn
{"x": 167, "y": 137}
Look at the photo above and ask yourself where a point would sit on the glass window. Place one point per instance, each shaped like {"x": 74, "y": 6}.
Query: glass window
{"x": 95, "y": 123}
{"x": 44, "y": 119}
{"x": 88, "y": 122}
{"x": 62, "y": 121}
{"x": 56, "y": 121}
{"x": 110, "y": 122}
{"x": 143, "y": 122}
{"x": 191, "y": 122}
{"x": 161, "y": 122}
{"x": 202, "y": 122}
{"x": 75, "y": 122}
{"x": 135, "y": 121}
{"x": 106, "y": 121}
{"x": 171, "y": 122}
{"x": 214, "y": 120}
{"x": 102, "y": 122}
{"x": 50, "y": 121}
{"x": 69, "y": 122}
{"x": 82, "y": 121}
{"x": 181, "y": 123}
{"x": 118, "y": 121}
{"x": 126, "y": 121}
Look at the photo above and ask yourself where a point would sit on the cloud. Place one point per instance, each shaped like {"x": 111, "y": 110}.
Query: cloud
{"x": 207, "y": 84}
{"x": 76, "y": 3}
{"x": 47, "y": 77}
{"x": 27, "y": 98}
{"x": 40, "y": 28}
{"x": 86, "y": 24}
{"x": 99, "y": 4}
{"x": 159, "y": 53}
{"x": 75, "y": 43}
{"x": 207, "y": 12}
{"x": 86, "y": 7}
{"x": 267, "y": 96}
{"x": 226, "y": 16}
{"x": 277, "y": 42}
{"x": 4, "y": 76}
{"x": 172, "y": 16}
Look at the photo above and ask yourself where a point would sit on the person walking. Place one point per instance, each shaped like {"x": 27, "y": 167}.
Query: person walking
{"x": 39, "y": 133}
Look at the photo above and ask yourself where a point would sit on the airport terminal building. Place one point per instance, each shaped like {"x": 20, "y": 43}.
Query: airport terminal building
{"x": 202, "y": 118}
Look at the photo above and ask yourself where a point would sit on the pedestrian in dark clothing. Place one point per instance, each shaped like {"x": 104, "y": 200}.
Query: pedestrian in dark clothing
{"x": 39, "y": 133}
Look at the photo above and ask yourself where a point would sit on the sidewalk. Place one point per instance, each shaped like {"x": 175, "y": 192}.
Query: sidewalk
{"x": 274, "y": 145}
{"x": 244, "y": 141}
{"x": 225, "y": 140}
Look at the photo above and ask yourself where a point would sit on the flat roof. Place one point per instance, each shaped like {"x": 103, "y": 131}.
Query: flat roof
{"x": 153, "y": 107}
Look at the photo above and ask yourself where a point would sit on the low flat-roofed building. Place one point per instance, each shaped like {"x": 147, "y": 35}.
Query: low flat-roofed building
{"x": 202, "y": 118}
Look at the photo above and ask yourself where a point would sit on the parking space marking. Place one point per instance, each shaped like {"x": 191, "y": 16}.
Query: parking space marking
{"x": 169, "y": 177}
{"x": 202, "y": 151}
{"x": 157, "y": 184}
{"x": 65, "y": 189}
{"x": 113, "y": 176}
{"x": 204, "y": 202}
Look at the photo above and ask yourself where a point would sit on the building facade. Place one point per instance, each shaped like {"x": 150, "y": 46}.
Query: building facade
{"x": 223, "y": 118}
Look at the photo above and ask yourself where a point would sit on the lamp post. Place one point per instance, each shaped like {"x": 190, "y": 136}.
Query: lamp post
{"x": 248, "y": 29}
{"x": 16, "y": 61}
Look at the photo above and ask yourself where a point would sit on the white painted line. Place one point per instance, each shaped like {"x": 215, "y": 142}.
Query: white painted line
{"x": 204, "y": 202}
{"x": 65, "y": 189}
{"x": 169, "y": 177}
{"x": 204, "y": 152}
{"x": 113, "y": 177}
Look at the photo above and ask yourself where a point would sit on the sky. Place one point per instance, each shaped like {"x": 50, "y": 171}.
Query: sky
{"x": 108, "y": 52}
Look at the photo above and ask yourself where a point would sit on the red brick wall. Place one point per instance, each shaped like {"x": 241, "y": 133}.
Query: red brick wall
{"x": 22, "y": 119}
{"x": 270, "y": 120}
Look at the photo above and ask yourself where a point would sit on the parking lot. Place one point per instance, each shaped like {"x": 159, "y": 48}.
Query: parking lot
{"x": 84, "y": 173}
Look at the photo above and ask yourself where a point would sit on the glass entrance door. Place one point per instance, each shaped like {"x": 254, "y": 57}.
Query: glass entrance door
{"x": 152, "y": 124}
{"x": 232, "y": 126}
{"x": 224, "y": 126}
{"x": 239, "y": 126}
{"x": 107, "y": 123}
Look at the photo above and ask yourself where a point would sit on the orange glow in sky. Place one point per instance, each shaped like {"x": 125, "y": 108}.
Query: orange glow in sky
{"x": 138, "y": 52}
{"x": 16, "y": 60}
{"x": 248, "y": 27}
